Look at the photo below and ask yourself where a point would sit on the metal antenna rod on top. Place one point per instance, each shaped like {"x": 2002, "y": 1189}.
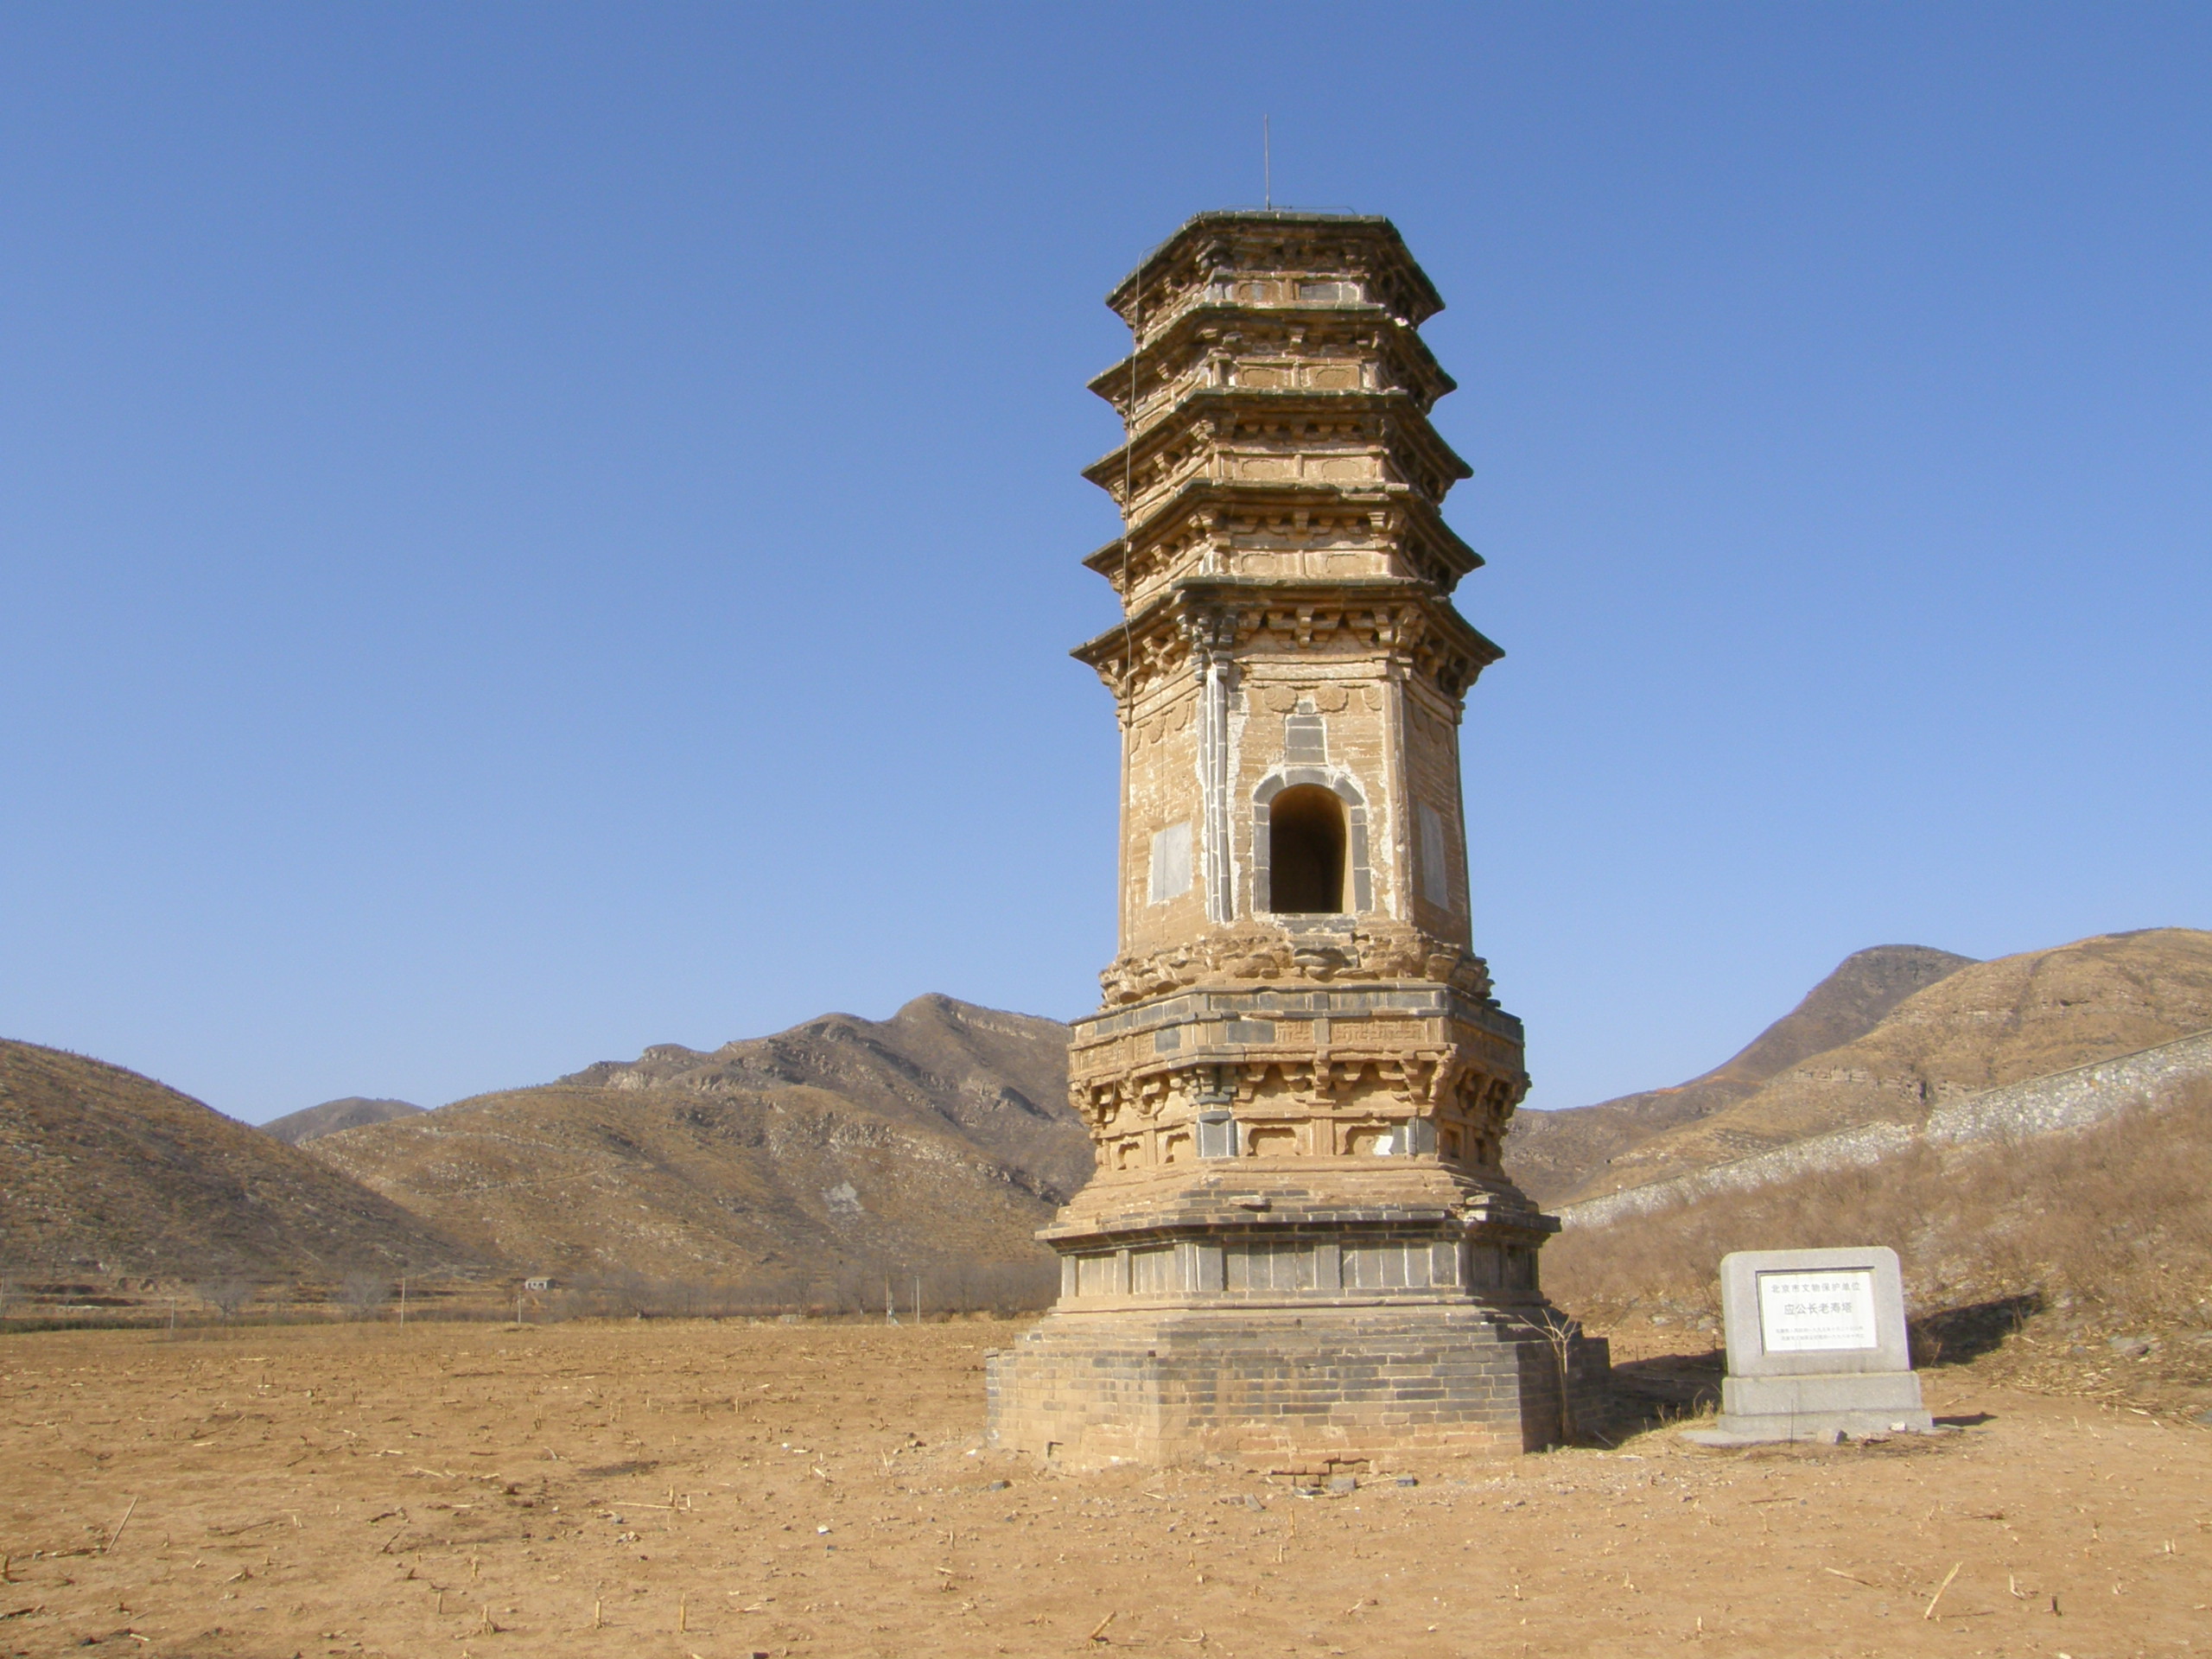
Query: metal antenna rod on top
{"x": 1267, "y": 165}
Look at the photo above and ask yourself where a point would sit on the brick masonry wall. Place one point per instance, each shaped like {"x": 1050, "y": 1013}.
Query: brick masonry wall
{"x": 1336, "y": 1384}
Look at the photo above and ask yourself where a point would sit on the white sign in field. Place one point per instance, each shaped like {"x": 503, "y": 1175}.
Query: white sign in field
{"x": 1821, "y": 1311}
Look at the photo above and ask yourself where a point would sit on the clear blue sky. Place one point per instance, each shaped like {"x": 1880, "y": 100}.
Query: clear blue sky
{"x": 528, "y": 530}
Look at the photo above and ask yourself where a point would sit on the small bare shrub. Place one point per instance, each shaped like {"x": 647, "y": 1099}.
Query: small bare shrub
{"x": 1560, "y": 1333}
{"x": 364, "y": 1293}
{"x": 226, "y": 1293}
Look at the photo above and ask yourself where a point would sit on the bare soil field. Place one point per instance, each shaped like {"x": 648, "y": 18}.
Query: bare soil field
{"x": 715, "y": 1489}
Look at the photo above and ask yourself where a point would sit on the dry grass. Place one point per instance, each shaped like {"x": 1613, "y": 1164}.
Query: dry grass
{"x": 2109, "y": 1226}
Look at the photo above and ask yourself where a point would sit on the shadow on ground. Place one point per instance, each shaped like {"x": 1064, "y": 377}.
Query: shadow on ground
{"x": 1666, "y": 1388}
{"x": 1958, "y": 1336}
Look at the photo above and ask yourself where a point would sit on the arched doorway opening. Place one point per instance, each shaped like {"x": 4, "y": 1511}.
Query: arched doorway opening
{"x": 1306, "y": 852}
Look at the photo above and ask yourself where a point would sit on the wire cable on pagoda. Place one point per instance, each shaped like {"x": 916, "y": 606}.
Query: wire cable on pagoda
{"x": 1128, "y": 490}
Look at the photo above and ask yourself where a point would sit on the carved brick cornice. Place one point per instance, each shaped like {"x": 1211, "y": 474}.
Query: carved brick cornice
{"x": 1221, "y": 256}
{"x": 1208, "y": 517}
{"x": 1253, "y": 957}
{"x": 1407, "y": 621}
{"x": 1209, "y": 635}
{"x": 1461, "y": 1078}
{"x": 1355, "y": 440}
{"x": 1210, "y": 344}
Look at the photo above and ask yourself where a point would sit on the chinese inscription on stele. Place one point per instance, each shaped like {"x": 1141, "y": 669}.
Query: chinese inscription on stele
{"x": 1816, "y": 1312}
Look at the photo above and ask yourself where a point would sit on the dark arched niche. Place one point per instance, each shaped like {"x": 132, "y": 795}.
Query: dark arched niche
{"x": 1307, "y": 834}
{"x": 1310, "y": 845}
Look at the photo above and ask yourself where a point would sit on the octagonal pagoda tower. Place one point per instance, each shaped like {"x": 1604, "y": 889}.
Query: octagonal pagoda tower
{"x": 1300, "y": 1241}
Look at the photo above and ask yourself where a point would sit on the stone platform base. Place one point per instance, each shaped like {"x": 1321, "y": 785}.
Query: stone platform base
{"x": 1303, "y": 1387}
{"x": 1755, "y": 1410}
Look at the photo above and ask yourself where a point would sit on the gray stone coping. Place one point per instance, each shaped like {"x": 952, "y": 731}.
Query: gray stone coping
{"x": 1189, "y": 1008}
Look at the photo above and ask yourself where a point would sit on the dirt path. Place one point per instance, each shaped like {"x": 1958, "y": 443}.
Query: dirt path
{"x": 728, "y": 1490}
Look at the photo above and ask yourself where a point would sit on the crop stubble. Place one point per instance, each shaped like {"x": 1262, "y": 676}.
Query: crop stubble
{"x": 703, "y": 1489}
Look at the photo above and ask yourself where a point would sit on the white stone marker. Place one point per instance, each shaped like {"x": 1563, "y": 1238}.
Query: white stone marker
{"x": 1816, "y": 1348}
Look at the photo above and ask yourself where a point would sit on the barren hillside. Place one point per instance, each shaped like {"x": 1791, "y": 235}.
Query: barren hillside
{"x": 939, "y": 1138}
{"x": 354, "y": 1112}
{"x": 104, "y": 1171}
{"x": 998, "y": 1079}
{"x": 2102, "y": 1231}
{"x": 1554, "y": 1155}
{"x": 1995, "y": 1022}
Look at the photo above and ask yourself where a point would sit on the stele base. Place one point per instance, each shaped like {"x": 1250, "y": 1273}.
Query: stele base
{"x": 1755, "y": 1410}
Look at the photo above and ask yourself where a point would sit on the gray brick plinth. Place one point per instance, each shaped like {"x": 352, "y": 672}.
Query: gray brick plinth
{"x": 1163, "y": 1387}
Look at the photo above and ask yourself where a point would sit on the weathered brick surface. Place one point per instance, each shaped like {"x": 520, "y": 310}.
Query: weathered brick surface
{"x": 1278, "y": 1387}
{"x": 1300, "y": 1237}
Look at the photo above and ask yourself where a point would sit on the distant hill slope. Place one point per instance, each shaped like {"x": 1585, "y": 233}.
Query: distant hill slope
{"x": 1554, "y": 1155}
{"x": 1985, "y": 1024}
{"x": 104, "y": 1170}
{"x": 2106, "y": 1226}
{"x": 939, "y": 1137}
{"x": 354, "y": 1112}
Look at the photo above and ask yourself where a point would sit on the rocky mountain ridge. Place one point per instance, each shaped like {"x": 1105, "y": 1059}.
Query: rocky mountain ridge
{"x": 1552, "y": 1154}
{"x": 1968, "y": 1028}
{"x": 939, "y": 1139}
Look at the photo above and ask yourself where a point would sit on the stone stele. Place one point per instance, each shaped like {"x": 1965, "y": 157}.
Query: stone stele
{"x": 1298, "y": 1246}
{"x": 1816, "y": 1348}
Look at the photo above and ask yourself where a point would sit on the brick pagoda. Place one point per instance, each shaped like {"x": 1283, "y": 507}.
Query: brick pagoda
{"x": 1299, "y": 1244}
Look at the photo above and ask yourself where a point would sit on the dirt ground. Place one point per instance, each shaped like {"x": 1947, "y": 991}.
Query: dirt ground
{"x": 715, "y": 1490}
